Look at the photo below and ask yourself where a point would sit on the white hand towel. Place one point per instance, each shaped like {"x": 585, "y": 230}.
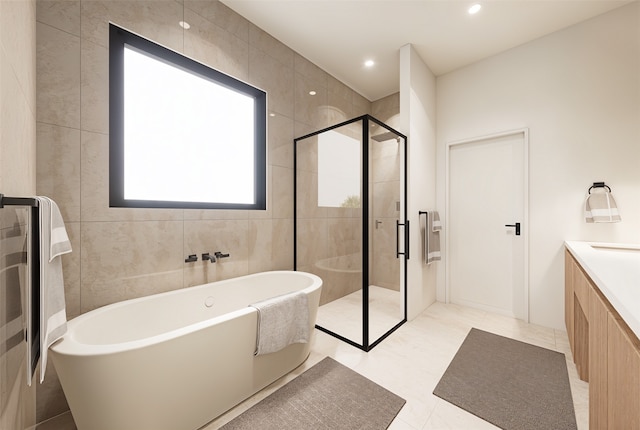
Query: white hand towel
{"x": 282, "y": 320}
{"x": 432, "y": 237}
{"x": 601, "y": 207}
{"x": 54, "y": 242}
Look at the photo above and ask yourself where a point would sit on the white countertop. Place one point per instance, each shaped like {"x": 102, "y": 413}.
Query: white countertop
{"x": 615, "y": 269}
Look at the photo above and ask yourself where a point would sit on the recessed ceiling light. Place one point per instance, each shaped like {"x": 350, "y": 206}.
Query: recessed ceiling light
{"x": 312, "y": 93}
{"x": 185, "y": 25}
{"x": 475, "y": 8}
{"x": 369, "y": 63}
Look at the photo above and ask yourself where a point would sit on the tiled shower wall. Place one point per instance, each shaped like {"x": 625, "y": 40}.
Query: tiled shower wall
{"x": 122, "y": 253}
{"x": 385, "y": 184}
{"x": 330, "y": 238}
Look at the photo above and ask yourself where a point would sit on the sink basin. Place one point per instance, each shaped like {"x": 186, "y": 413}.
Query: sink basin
{"x": 614, "y": 247}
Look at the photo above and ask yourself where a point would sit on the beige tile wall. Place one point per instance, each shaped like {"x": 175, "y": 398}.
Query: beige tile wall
{"x": 17, "y": 178}
{"x": 121, "y": 253}
{"x": 330, "y": 239}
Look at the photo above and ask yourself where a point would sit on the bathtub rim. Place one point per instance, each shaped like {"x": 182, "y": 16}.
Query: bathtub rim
{"x": 320, "y": 264}
{"x": 68, "y": 345}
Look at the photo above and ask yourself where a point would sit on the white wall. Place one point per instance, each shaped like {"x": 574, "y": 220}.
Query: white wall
{"x": 417, "y": 121}
{"x": 578, "y": 91}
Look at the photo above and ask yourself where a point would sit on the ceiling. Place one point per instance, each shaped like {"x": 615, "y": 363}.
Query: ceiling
{"x": 339, "y": 35}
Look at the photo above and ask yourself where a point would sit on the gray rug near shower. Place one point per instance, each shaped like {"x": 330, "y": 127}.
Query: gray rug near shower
{"x": 327, "y": 396}
{"x": 511, "y": 384}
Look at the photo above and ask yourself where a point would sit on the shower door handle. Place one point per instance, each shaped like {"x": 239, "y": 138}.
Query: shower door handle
{"x": 406, "y": 239}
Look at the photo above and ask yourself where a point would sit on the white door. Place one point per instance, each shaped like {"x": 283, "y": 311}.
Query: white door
{"x": 487, "y": 195}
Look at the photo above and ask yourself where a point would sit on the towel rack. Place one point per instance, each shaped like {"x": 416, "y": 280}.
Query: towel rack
{"x": 599, "y": 185}
{"x": 426, "y": 235}
{"x": 17, "y": 201}
{"x": 32, "y": 333}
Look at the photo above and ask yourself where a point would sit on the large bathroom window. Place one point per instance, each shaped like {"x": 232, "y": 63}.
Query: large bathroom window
{"x": 182, "y": 135}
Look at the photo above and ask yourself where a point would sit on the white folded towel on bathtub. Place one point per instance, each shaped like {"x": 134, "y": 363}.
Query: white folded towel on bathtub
{"x": 282, "y": 320}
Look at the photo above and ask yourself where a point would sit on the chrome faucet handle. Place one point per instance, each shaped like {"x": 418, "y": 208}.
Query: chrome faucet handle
{"x": 219, "y": 255}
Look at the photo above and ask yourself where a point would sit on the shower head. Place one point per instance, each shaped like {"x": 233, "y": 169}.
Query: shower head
{"x": 384, "y": 137}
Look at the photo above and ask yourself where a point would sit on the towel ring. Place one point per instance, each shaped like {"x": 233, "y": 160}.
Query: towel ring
{"x": 599, "y": 185}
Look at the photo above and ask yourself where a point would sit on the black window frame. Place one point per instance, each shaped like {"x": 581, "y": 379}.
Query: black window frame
{"x": 118, "y": 39}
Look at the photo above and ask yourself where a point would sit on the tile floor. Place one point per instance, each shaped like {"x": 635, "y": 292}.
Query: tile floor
{"x": 344, "y": 316}
{"x": 410, "y": 363}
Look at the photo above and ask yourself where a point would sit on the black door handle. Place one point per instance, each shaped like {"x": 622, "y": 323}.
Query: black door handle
{"x": 516, "y": 225}
{"x": 406, "y": 239}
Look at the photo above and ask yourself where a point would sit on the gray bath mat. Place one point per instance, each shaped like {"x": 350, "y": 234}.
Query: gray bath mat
{"x": 327, "y": 396}
{"x": 511, "y": 384}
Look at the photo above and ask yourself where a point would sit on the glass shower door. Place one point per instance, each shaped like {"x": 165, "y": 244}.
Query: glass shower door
{"x": 348, "y": 203}
{"x": 386, "y": 228}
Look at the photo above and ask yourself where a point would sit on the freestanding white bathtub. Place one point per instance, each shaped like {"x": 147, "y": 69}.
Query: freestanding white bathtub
{"x": 175, "y": 360}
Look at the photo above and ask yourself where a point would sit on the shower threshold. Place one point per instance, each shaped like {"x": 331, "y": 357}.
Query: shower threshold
{"x": 344, "y": 315}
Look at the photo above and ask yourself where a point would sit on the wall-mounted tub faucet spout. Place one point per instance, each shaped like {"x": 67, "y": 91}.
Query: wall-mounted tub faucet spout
{"x": 207, "y": 256}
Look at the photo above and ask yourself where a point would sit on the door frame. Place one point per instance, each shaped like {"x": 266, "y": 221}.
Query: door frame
{"x": 525, "y": 222}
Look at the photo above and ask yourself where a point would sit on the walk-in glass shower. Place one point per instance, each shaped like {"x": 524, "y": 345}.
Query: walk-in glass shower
{"x": 351, "y": 226}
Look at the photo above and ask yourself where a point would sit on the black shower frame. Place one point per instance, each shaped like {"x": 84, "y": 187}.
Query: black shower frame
{"x": 366, "y": 119}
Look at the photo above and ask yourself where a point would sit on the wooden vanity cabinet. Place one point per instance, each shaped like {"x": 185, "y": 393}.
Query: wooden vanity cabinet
{"x": 578, "y": 299}
{"x": 569, "y": 297}
{"x": 598, "y": 360}
{"x": 605, "y": 350}
{"x": 623, "y": 403}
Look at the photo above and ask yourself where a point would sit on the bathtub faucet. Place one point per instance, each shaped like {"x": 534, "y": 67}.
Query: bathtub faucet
{"x": 220, "y": 255}
{"x": 207, "y": 256}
